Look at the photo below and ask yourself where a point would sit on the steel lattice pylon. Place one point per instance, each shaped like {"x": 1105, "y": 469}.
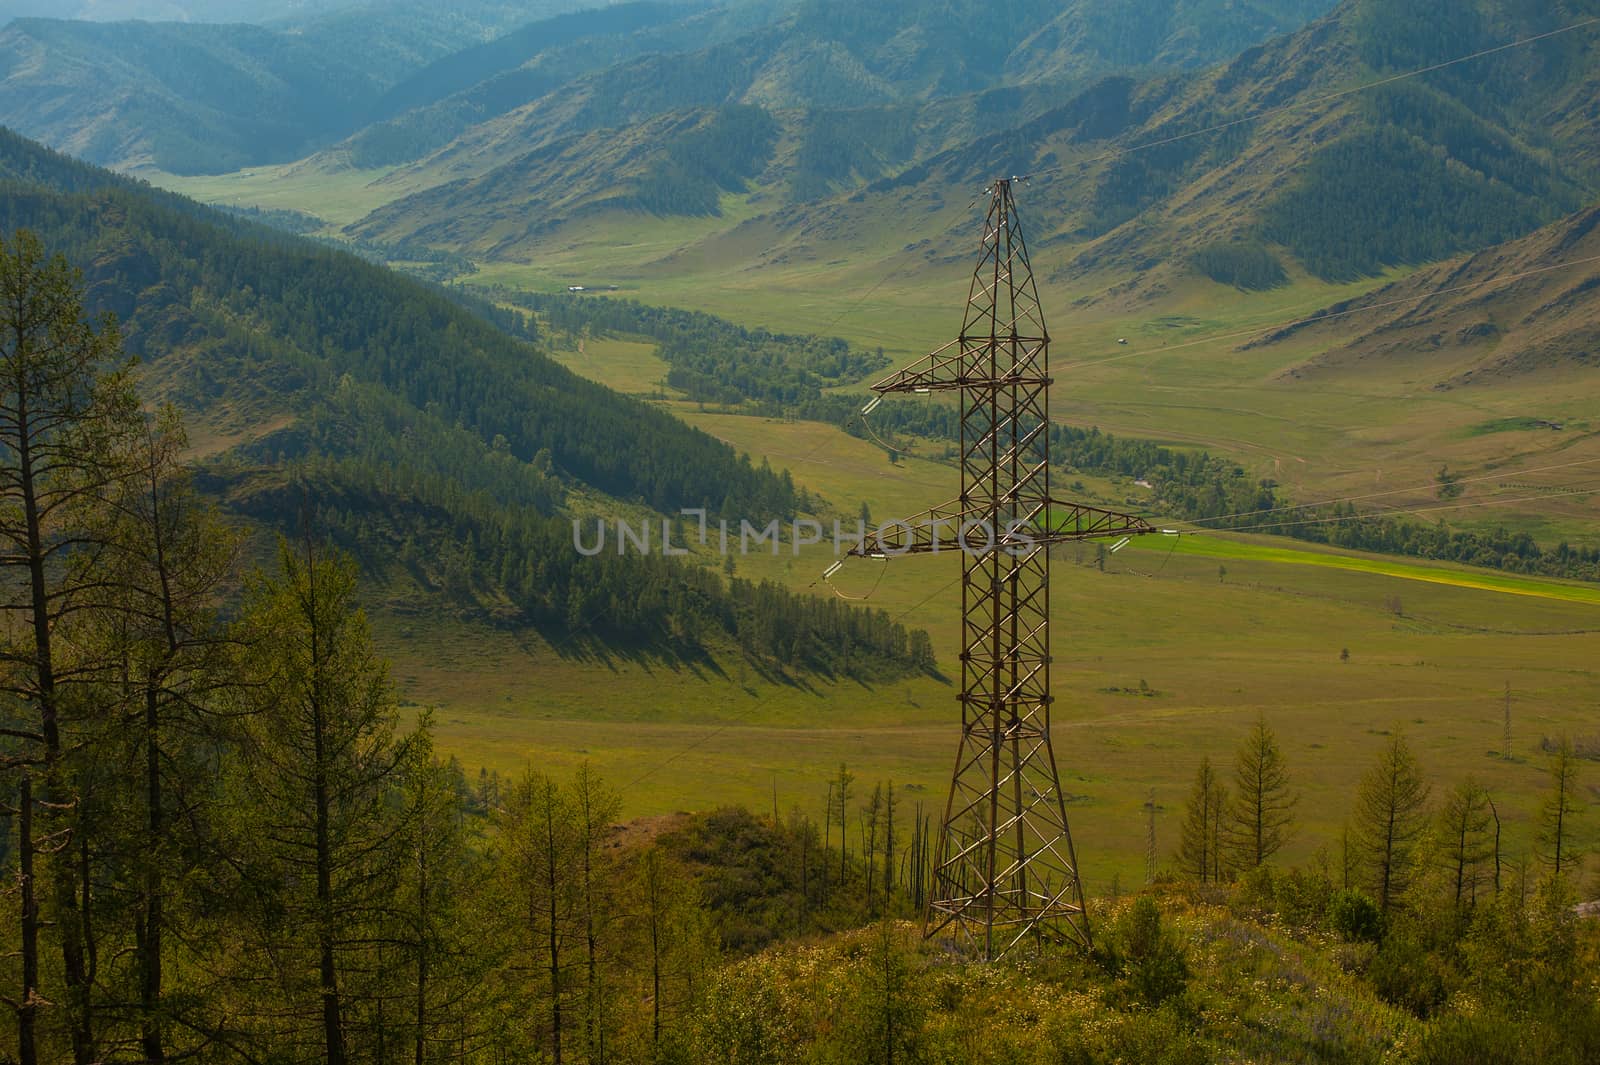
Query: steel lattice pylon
{"x": 1006, "y": 871}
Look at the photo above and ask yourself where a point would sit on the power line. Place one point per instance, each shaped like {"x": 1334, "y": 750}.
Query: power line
{"x": 1112, "y": 153}
{"x": 1392, "y": 492}
{"x": 1296, "y": 322}
{"x": 1322, "y": 99}
{"x": 1407, "y": 512}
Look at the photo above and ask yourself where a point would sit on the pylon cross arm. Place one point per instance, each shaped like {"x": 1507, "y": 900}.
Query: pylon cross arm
{"x": 982, "y": 529}
{"x": 959, "y": 364}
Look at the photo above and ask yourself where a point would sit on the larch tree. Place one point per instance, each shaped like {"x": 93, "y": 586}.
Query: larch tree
{"x": 1466, "y": 841}
{"x": 1391, "y": 817}
{"x": 839, "y": 808}
{"x": 322, "y": 765}
{"x": 67, "y": 407}
{"x": 678, "y": 941}
{"x": 173, "y": 560}
{"x": 1200, "y": 845}
{"x": 539, "y": 850}
{"x": 437, "y": 918}
{"x": 595, "y": 808}
{"x": 1559, "y": 812}
{"x": 1261, "y": 810}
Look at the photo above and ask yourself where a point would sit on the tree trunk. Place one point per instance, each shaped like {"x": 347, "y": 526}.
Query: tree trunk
{"x": 555, "y": 942}
{"x": 64, "y": 888}
{"x": 422, "y": 957}
{"x": 332, "y": 1022}
{"x": 150, "y": 1040}
{"x": 28, "y": 1009}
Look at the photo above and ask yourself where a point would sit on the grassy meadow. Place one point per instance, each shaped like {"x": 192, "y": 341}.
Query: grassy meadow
{"x": 1167, "y": 655}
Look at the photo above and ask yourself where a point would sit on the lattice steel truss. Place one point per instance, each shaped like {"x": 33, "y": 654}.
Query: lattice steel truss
{"x": 1006, "y": 871}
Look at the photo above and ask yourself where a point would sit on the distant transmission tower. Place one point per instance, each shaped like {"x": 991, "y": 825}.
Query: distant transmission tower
{"x": 1505, "y": 738}
{"x": 1005, "y": 871}
{"x": 1150, "y": 838}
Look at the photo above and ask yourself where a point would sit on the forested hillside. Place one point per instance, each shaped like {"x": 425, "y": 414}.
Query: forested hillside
{"x": 1522, "y": 307}
{"x": 422, "y": 436}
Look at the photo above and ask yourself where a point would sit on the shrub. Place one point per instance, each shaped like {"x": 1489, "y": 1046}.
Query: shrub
{"x": 1355, "y": 917}
{"x": 1148, "y": 956}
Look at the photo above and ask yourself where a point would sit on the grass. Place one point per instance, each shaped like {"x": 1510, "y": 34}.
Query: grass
{"x": 627, "y": 366}
{"x": 1213, "y": 655}
{"x": 1208, "y": 545}
{"x": 337, "y": 196}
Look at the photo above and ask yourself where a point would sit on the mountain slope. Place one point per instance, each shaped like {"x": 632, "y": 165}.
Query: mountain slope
{"x": 1268, "y": 161}
{"x": 256, "y": 11}
{"x": 476, "y": 64}
{"x": 192, "y": 97}
{"x": 872, "y": 88}
{"x": 447, "y": 98}
{"x": 185, "y": 98}
{"x": 830, "y": 54}
{"x": 346, "y": 317}
{"x": 1480, "y": 327}
{"x": 397, "y": 38}
{"x": 430, "y": 442}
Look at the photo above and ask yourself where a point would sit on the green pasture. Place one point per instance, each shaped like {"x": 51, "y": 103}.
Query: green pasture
{"x": 1209, "y": 545}
{"x": 1160, "y": 659}
{"x": 338, "y": 196}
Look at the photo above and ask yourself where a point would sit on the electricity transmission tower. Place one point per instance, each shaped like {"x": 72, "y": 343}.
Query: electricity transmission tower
{"x": 1005, "y": 871}
{"x": 1150, "y": 838}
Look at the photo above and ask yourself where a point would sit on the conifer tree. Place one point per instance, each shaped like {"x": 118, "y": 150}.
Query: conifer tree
{"x": 66, "y": 410}
{"x": 1260, "y": 814}
{"x": 437, "y": 923}
{"x": 1558, "y": 814}
{"x": 321, "y": 764}
{"x": 172, "y": 559}
{"x": 1390, "y": 819}
{"x": 1200, "y": 846}
{"x": 539, "y": 855}
{"x": 595, "y": 808}
{"x": 1466, "y": 841}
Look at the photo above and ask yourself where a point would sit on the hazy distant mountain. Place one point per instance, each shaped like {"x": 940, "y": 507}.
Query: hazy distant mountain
{"x": 396, "y": 38}
{"x": 211, "y": 98}
{"x": 1412, "y": 172}
{"x": 169, "y": 10}
{"x": 194, "y": 97}
{"x": 185, "y": 97}
{"x": 436, "y": 104}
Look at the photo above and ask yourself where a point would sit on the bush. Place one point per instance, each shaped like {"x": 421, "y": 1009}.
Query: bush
{"x": 1355, "y": 917}
{"x": 1406, "y": 974}
{"x": 1148, "y": 957}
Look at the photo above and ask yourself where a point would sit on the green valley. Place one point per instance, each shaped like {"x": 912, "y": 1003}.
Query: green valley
{"x": 453, "y": 475}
